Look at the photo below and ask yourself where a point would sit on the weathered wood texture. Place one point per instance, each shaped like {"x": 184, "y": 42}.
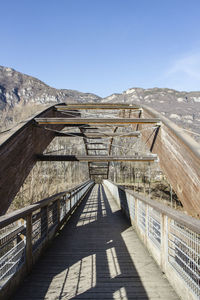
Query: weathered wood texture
{"x": 179, "y": 157}
{"x": 95, "y": 158}
{"x": 17, "y": 155}
{"x": 78, "y": 121}
{"x": 94, "y": 135}
{"x": 98, "y": 106}
{"x": 96, "y": 256}
{"x": 48, "y": 223}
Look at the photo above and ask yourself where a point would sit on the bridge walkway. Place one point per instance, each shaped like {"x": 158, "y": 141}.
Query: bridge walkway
{"x": 96, "y": 256}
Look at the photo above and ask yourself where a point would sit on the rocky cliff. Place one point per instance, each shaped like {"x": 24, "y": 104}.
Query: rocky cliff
{"x": 183, "y": 108}
{"x": 17, "y": 88}
{"x": 20, "y": 92}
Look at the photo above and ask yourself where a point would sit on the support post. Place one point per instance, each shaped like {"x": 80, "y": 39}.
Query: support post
{"x": 70, "y": 199}
{"x": 44, "y": 222}
{"x": 29, "y": 249}
{"x": 58, "y": 211}
{"x": 164, "y": 241}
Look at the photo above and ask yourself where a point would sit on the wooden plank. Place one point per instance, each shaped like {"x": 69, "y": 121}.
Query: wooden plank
{"x": 102, "y": 126}
{"x": 97, "y": 256}
{"x": 104, "y": 149}
{"x": 95, "y": 143}
{"x": 82, "y": 121}
{"x": 179, "y": 160}
{"x": 98, "y": 167}
{"x": 89, "y": 158}
{"x": 91, "y": 135}
{"x": 97, "y": 106}
{"x": 98, "y": 174}
{"x": 17, "y": 155}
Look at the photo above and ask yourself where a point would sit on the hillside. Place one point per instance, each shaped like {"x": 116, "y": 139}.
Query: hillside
{"x": 18, "y": 88}
{"x": 183, "y": 108}
{"x": 22, "y": 95}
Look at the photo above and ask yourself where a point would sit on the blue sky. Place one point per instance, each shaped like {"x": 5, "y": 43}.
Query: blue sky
{"x": 103, "y": 46}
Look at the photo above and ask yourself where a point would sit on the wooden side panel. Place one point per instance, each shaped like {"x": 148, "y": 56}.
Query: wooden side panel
{"x": 17, "y": 157}
{"x": 179, "y": 160}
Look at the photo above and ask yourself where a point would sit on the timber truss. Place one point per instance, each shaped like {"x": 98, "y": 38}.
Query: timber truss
{"x": 106, "y": 130}
{"x": 99, "y": 125}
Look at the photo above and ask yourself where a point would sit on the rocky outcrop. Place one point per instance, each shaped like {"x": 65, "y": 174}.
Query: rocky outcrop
{"x": 183, "y": 108}
{"x": 17, "y": 88}
{"x": 19, "y": 91}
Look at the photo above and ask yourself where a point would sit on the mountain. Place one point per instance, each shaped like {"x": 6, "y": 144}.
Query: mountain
{"x": 21, "y": 95}
{"x": 17, "y": 88}
{"x": 183, "y": 108}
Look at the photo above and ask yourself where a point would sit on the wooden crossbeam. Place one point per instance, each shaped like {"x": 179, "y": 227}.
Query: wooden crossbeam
{"x": 89, "y": 158}
{"x": 99, "y": 167}
{"x": 98, "y": 164}
{"x": 94, "y": 135}
{"x": 95, "y": 143}
{"x": 109, "y": 126}
{"x": 82, "y": 121}
{"x": 95, "y": 174}
{"x": 97, "y": 106}
{"x": 104, "y": 149}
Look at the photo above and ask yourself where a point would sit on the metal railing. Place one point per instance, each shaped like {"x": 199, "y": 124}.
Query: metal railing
{"x": 25, "y": 232}
{"x": 172, "y": 238}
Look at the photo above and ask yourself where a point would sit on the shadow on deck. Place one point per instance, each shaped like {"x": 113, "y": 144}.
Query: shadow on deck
{"x": 97, "y": 255}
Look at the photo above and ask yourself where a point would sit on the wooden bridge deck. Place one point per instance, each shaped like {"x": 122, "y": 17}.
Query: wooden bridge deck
{"x": 96, "y": 256}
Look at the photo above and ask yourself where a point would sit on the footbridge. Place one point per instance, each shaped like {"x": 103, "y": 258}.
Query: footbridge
{"x": 99, "y": 239}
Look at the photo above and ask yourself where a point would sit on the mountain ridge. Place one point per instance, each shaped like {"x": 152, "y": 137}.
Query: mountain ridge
{"x": 16, "y": 87}
{"x": 20, "y": 92}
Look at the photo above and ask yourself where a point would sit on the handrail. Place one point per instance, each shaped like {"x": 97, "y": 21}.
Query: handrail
{"x": 172, "y": 238}
{"x": 190, "y": 222}
{"x": 178, "y": 131}
{"x": 26, "y": 233}
{"x": 23, "y": 212}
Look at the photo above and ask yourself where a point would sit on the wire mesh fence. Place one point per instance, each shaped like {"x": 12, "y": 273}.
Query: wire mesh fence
{"x": 184, "y": 254}
{"x": 21, "y": 238}
{"x": 174, "y": 244}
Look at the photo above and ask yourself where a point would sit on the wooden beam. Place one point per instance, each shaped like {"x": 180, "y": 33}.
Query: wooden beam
{"x": 95, "y": 143}
{"x": 91, "y": 127}
{"x": 17, "y": 154}
{"x": 97, "y": 106}
{"x": 82, "y": 121}
{"x": 98, "y": 164}
{"x": 97, "y": 174}
{"x": 89, "y": 158}
{"x": 97, "y": 134}
{"x": 99, "y": 167}
{"x": 103, "y": 149}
